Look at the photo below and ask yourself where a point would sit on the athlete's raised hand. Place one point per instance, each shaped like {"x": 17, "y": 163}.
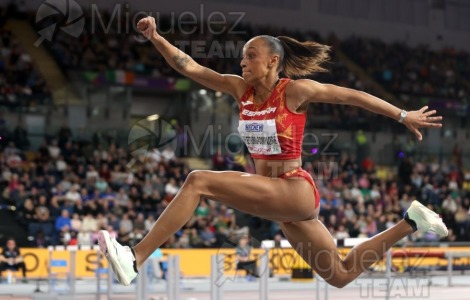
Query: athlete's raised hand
{"x": 148, "y": 27}
{"x": 422, "y": 119}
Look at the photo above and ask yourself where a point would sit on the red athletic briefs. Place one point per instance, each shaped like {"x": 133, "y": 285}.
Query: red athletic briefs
{"x": 299, "y": 172}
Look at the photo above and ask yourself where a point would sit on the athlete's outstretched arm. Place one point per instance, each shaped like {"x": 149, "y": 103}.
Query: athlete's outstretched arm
{"x": 183, "y": 63}
{"x": 309, "y": 91}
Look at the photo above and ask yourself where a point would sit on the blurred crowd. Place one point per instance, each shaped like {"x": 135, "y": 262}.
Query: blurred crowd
{"x": 111, "y": 43}
{"x": 360, "y": 200}
{"x": 104, "y": 46}
{"x": 413, "y": 71}
{"x": 21, "y": 84}
{"x": 407, "y": 72}
{"x": 67, "y": 191}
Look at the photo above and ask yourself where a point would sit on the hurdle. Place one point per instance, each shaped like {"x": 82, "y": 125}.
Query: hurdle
{"x": 319, "y": 288}
{"x": 217, "y": 277}
{"x": 173, "y": 279}
{"x": 142, "y": 282}
{"x": 388, "y": 272}
{"x": 62, "y": 263}
{"x": 217, "y": 272}
{"x": 450, "y": 255}
{"x": 109, "y": 279}
{"x": 263, "y": 282}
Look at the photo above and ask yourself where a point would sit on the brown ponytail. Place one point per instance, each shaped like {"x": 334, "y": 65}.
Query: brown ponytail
{"x": 302, "y": 58}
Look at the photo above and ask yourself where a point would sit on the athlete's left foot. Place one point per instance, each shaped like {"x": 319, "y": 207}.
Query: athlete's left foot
{"x": 423, "y": 219}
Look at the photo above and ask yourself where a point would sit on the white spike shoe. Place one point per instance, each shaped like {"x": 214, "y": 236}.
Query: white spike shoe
{"x": 120, "y": 257}
{"x": 423, "y": 219}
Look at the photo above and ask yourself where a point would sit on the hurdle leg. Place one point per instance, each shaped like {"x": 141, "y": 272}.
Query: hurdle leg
{"x": 217, "y": 271}
{"x": 450, "y": 261}
{"x": 263, "y": 283}
{"x": 173, "y": 280}
{"x": 388, "y": 272}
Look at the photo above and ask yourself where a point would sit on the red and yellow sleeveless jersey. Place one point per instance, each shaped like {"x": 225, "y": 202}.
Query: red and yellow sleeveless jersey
{"x": 270, "y": 130}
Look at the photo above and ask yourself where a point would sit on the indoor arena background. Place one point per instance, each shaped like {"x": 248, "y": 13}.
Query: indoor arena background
{"x": 97, "y": 128}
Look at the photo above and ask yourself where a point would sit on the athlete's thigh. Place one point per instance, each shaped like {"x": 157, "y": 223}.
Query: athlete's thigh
{"x": 270, "y": 198}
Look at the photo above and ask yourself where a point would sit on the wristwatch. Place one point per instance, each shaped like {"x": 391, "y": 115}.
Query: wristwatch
{"x": 403, "y": 115}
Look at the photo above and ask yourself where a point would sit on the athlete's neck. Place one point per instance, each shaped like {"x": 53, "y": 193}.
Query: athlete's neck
{"x": 263, "y": 89}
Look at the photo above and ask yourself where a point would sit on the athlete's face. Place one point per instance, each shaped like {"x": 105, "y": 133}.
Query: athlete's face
{"x": 257, "y": 60}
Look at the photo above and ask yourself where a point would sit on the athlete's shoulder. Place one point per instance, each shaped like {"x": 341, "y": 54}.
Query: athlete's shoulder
{"x": 302, "y": 86}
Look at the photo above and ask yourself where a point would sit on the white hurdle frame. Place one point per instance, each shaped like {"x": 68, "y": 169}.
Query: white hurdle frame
{"x": 142, "y": 282}
{"x": 217, "y": 272}
{"x": 173, "y": 278}
{"x": 217, "y": 275}
{"x": 73, "y": 253}
{"x": 263, "y": 280}
{"x": 109, "y": 277}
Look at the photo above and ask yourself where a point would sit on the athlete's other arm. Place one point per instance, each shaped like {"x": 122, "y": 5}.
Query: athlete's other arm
{"x": 183, "y": 63}
{"x": 310, "y": 91}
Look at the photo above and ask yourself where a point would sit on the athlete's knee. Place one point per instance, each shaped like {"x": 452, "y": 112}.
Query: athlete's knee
{"x": 339, "y": 283}
{"x": 339, "y": 280}
{"x": 196, "y": 180}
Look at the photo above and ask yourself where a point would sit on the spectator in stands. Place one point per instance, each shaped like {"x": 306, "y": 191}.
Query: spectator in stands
{"x": 208, "y": 237}
{"x": 63, "y": 227}
{"x": 11, "y": 258}
{"x": 171, "y": 188}
{"x": 278, "y": 238}
{"x": 89, "y": 223}
{"x": 195, "y": 239}
{"x": 203, "y": 209}
{"x": 73, "y": 195}
{"x": 20, "y": 137}
{"x": 341, "y": 233}
{"x": 243, "y": 258}
{"x": 76, "y": 223}
{"x": 139, "y": 227}
{"x": 40, "y": 240}
{"x": 55, "y": 209}
{"x": 27, "y": 213}
{"x": 42, "y": 214}
{"x": 168, "y": 154}
{"x": 126, "y": 227}
{"x": 218, "y": 161}
{"x": 101, "y": 185}
{"x": 64, "y": 135}
{"x": 54, "y": 150}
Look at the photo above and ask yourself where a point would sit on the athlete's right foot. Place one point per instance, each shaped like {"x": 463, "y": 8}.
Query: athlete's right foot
{"x": 423, "y": 219}
{"x": 120, "y": 257}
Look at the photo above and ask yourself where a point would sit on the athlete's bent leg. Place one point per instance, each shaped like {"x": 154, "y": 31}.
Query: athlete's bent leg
{"x": 270, "y": 198}
{"x": 314, "y": 243}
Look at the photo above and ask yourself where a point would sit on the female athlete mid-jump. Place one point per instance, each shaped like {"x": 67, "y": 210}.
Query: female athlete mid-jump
{"x": 272, "y": 118}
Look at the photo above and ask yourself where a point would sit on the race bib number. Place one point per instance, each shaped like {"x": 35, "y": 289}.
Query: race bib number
{"x": 260, "y": 136}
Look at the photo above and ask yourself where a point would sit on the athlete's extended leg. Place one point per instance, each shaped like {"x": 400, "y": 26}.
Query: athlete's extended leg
{"x": 269, "y": 198}
{"x": 314, "y": 243}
